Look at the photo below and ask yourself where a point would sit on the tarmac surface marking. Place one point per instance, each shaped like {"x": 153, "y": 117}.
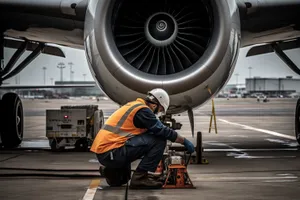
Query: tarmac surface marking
{"x": 91, "y": 191}
{"x": 260, "y": 130}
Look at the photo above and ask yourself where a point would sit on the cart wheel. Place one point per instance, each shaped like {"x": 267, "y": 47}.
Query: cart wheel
{"x": 101, "y": 119}
{"x": 98, "y": 122}
{"x": 55, "y": 147}
{"x": 81, "y": 144}
{"x": 199, "y": 148}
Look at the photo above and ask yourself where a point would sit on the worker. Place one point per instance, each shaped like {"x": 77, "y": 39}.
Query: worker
{"x": 133, "y": 132}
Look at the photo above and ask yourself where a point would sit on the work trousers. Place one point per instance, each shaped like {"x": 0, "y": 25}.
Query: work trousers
{"x": 146, "y": 146}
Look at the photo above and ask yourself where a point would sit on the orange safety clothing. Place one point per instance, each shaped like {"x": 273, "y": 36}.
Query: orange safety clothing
{"x": 118, "y": 128}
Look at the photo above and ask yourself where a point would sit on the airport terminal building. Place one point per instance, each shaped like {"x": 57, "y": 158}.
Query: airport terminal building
{"x": 273, "y": 86}
{"x": 82, "y": 91}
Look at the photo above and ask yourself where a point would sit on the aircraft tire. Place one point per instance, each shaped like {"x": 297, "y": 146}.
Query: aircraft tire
{"x": 199, "y": 148}
{"x": 297, "y": 121}
{"x": 12, "y": 119}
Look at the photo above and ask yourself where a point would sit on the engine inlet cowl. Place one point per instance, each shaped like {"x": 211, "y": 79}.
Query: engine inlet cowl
{"x": 182, "y": 46}
{"x": 162, "y": 37}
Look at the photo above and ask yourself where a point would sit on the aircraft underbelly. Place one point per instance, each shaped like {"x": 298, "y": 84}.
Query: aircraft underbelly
{"x": 72, "y": 38}
{"x": 282, "y": 34}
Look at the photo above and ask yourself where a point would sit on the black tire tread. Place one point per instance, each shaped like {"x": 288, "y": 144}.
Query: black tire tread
{"x": 297, "y": 123}
{"x": 9, "y": 135}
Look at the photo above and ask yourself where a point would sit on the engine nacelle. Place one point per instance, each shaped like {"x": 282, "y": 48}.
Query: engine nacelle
{"x": 182, "y": 46}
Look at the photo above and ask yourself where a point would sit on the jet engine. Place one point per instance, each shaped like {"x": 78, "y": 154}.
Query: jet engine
{"x": 184, "y": 47}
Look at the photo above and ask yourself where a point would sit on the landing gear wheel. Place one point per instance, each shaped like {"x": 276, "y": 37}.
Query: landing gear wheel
{"x": 12, "y": 120}
{"x": 199, "y": 148}
{"x": 81, "y": 144}
{"x": 297, "y": 121}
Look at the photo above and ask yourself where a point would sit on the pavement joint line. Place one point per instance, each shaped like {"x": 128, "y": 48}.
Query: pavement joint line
{"x": 248, "y": 150}
{"x": 244, "y": 177}
{"x": 259, "y": 130}
{"x": 91, "y": 191}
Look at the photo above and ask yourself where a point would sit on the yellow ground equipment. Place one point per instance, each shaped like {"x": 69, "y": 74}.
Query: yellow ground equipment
{"x": 213, "y": 115}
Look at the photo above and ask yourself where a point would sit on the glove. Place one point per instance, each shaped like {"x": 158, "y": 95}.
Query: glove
{"x": 189, "y": 146}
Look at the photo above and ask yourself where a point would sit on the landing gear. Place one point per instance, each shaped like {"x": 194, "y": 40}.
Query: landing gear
{"x": 297, "y": 121}
{"x": 171, "y": 122}
{"x": 12, "y": 121}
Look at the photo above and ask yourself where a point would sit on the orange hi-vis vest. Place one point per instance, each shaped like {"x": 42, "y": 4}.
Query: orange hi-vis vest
{"x": 118, "y": 128}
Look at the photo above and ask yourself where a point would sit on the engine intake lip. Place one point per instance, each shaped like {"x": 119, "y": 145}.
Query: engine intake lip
{"x": 179, "y": 82}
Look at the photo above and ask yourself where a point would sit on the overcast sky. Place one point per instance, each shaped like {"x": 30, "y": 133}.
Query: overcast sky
{"x": 268, "y": 65}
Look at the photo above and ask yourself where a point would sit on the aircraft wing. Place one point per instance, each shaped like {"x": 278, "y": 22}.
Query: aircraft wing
{"x": 54, "y": 21}
{"x": 269, "y": 48}
{"x": 62, "y": 21}
{"x": 268, "y": 21}
{"x": 49, "y": 49}
{"x": 12, "y": 87}
{"x": 271, "y": 26}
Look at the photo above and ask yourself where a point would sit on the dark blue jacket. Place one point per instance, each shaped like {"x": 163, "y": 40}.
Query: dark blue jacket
{"x": 146, "y": 119}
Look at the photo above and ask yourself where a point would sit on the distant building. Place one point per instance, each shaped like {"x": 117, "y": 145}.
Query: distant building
{"x": 273, "y": 86}
{"x": 233, "y": 88}
{"x": 79, "y": 91}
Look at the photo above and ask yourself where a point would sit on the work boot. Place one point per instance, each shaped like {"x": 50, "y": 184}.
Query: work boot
{"x": 101, "y": 170}
{"x": 141, "y": 180}
{"x": 160, "y": 177}
{"x": 112, "y": 176}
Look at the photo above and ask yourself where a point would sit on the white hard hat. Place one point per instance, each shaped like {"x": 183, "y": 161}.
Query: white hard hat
{"x": 162, "y": 97}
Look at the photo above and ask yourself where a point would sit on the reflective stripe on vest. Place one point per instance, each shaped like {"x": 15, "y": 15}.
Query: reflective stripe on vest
{"x": 117, "y": 129}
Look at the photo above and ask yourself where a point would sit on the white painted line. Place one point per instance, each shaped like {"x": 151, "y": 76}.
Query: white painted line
{"x": 241, "y": 153}
{"x": 244, "y": 178}
{"x": 93, "y": 161}
{"x": 91, "y": 191}
{"x": 249, "y": 150}
{"x": 276, "y": 141}
{"x": 285, "y": 174}
{"x": 260, "y": 130}
{"x": 238, "y": 136}
{"x": 286, "y": 143}
{"x": 233, "y": 149}
{"x": 280, "y": 181}
{"x": 246, "y": 156}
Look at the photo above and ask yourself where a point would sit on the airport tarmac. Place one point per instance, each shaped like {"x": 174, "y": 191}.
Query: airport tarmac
{"x": 254, "y": 155}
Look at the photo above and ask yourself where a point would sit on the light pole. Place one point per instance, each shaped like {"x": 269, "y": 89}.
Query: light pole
{"x": 237, "y": 78}
{"x": 71, "y": 64}
{"x": 237, "y": 81}
{"x": 44, "y": 68}
{"x": 249, "y": 71}
{"x": 61, "y": 66}
{"x": 84, "y": 77}
{"x": 72, "y": 73}
{"x": 17, "y": 78}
